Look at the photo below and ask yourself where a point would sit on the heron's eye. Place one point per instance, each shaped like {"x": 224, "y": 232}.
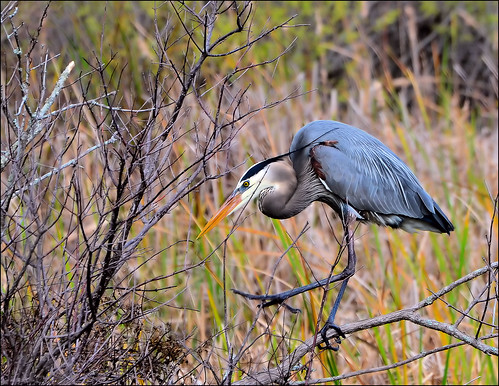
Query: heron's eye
{"x": 245, "y": 184}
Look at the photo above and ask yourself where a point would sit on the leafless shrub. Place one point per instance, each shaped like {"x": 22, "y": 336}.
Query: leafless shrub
{"x": 69, "y": 225}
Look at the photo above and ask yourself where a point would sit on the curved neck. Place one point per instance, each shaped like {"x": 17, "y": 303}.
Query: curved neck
{"x": 292, "y": 194}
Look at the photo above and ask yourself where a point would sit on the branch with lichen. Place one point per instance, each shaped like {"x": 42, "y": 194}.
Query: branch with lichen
{"x": 35, "y": 124}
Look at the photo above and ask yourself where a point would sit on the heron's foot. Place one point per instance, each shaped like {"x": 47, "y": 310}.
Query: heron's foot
{"x": 339, "y": 333}
{"x": 251, "y": 296}
{"x": 293, "y": 310}
{"x": 268, "y": 300}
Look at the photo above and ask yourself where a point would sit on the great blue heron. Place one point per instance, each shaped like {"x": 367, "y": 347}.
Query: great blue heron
{"x": 349, "y": 170}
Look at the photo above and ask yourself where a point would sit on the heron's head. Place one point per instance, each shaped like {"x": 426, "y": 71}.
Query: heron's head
{"x": 257, "y": 178}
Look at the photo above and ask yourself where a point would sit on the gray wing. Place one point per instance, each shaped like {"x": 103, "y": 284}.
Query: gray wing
{"x": 361, "y": 170}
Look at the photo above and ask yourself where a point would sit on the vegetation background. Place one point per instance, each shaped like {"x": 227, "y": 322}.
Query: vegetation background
{"x": 420, "y": 76}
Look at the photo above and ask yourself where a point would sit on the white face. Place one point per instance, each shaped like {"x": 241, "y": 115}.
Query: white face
{"x": 250, "y": 187}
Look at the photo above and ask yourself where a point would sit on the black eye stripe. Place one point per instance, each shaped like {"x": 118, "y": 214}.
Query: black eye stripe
{"x": 259, "y": 166}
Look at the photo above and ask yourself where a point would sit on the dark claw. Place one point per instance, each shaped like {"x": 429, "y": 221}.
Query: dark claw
{"x": 325, "y": 339}
{"x": 274, "y": 300}
{"x": 291, "y": 309}
{"x": 267, "y": 300}
{"x": 248, "y": 296}
{"x": 285, "y": 305}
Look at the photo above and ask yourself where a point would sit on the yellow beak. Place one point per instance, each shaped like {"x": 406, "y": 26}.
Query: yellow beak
{"x": 227, "y": 208}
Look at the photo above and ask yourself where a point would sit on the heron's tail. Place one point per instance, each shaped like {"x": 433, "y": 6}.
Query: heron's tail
{"x": 433, "y": 222}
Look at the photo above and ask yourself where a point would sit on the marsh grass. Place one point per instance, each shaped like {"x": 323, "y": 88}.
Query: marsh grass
{"x": 451, "y": 145}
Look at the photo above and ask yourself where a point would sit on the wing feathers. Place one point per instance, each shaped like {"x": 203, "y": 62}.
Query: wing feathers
{"x": 361, "y": 170}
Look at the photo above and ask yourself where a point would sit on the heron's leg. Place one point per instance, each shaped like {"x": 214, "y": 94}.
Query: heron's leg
{"x": 349, "y": 271}
{"x": 270, "y": 300}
